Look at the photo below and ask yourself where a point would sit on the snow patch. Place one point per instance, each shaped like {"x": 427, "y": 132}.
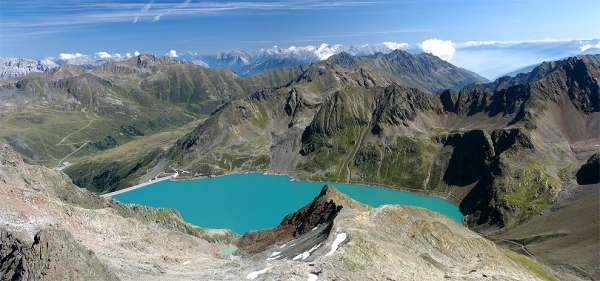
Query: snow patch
{"x": 341, "y": 237}
{"x": 442, "y": 48}
{"x": 274, "y": 256}
{"x": 253, "y": 275}
{"x": 306, "y": 254}
{"x": 312, "y": 277}
{"x": 172, "y": 54}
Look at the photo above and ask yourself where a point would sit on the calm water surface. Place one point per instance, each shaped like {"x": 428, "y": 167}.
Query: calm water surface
{"x": 244, "y": 202}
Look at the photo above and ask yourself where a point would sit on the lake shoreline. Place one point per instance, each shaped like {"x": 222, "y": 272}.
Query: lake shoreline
{"x": 448, "y": 197}
{"x": 262, "y": 198}
{"x": 179, "y": 177}
{"x": 138, "y": 186}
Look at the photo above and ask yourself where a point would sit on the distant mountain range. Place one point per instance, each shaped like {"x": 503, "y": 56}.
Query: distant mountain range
{"x": 15, "y": 67}
{"x": 491, "y": 59}
{"x": 241, "y": 62}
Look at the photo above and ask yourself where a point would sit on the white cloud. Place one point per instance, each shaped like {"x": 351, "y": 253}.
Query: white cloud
{"x": 147, "y": 6}
{"x": 324, "y": 51}
{"x": 83, "y": 12}
{"x": 136, "y": 53}
{"x": 172, "y": 53}
{"x": 70, "y": 56}
{"x": 177, "y": 8}
{"x": 108, "y": 56}
{"x": 478, "y": 43}
{"x": 74, "y": 58}
{"x": 103, "y": 55}
{"x": 444, "y": 49}
{"x": 395, "y": 45}
{"x": 586, "y": 47}
{"x": 143, "y": 11}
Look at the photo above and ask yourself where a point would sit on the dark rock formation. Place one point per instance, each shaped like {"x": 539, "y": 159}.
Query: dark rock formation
{"x": 320, "y": 212}
{"x": 472, "y": 152}
{"x": 505, "y": 139}
{"x": 589, "y": 173}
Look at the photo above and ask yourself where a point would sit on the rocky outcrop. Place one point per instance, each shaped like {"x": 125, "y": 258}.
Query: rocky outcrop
{"x": 589, "y": 172}
{"x": 505, "y": 139}
{"x": 53, "y": 255}
{"x": 318, "y": 213}
{"x": 15, "y": 67}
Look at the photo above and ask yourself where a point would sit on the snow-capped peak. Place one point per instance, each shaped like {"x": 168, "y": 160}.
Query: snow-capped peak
{"x": 15, "y": 67}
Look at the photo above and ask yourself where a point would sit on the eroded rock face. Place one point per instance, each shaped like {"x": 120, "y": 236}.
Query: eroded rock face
{"x": 53, "y": 255}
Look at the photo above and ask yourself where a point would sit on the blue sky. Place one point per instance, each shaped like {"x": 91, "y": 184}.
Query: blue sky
{"x": 39, "y": 28}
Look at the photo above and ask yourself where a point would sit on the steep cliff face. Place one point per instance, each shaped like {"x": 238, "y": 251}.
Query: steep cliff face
{"x": 318, "y": 214}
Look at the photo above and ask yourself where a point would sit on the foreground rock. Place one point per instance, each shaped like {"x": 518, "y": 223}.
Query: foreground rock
{"x": 54, "y": 255}
{"x": 386, "y": 243}
{"x": 51, "y": 230}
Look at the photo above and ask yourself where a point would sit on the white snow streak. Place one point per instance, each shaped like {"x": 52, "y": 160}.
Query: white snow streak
{"x": 253, "y": 275}
{"x": 341, "y": 237}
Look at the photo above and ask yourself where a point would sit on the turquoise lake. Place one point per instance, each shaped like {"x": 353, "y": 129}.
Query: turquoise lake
{"x": 243, "y": 202}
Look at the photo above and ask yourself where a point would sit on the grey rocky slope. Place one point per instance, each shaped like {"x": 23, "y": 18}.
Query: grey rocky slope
{"x": 51, "y": 230}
